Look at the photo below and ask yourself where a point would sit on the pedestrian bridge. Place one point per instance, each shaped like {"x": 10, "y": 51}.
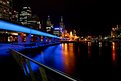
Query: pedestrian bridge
{"x": 23, "y": 66}
{"x": 29, "y": 32}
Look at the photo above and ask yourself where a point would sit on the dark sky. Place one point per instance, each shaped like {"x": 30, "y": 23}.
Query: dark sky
{"x": 86, "y": 16}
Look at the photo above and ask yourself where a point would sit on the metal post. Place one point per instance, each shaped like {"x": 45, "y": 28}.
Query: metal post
{"x": 43, "y": 74}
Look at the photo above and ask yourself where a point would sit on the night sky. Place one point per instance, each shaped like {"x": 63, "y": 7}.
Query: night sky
{"x": 86, "y": 16}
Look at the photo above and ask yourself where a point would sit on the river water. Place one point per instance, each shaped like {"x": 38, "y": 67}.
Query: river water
{"x": 86, "y": 61}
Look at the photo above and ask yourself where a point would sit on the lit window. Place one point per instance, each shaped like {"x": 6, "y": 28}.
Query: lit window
{"x": 0, "y": 1}
{"x": 8, "y": 2}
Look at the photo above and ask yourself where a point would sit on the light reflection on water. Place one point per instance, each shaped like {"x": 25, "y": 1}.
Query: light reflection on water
{"x": 68, "y": 57}
{"x": 114, "y": 55}
{"x": 89, "y": 49}
{"x": 100, "y": 48}
{"x": 51, "y": 56}
{"x": 63, "y": 57}
{"x": 60, "y": 57}
{"x": 100, "y": 44}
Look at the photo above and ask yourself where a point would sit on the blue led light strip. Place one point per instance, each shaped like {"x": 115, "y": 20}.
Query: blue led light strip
{"x": 14, "y": 27}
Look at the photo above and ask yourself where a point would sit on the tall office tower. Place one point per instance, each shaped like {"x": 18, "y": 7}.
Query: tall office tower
{"x": 49, "y": 26}
{"x": 62, "y": 23}
{"x": 5, "y": 9}
{"x": 25, "y": 15}
{"x": 58, "y": 30}
{"x": 26, "y": 18}
{"x": 34, "y": 22}
{"x": 5, "y": 13}
{"x": 62, "y": 26}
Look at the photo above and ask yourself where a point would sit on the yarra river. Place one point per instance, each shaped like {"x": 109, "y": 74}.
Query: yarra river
{"x": 86, "y": 61}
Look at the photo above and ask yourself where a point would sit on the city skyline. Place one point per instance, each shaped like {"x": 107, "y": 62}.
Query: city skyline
{"x": 91, "y": 17}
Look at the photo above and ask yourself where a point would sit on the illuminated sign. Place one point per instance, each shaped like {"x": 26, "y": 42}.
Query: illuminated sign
{"x": 56, "y": 28}
{"x": 14, "y": 27}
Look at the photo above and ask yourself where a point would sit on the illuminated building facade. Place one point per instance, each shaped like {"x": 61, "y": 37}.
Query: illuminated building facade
{"x": 34, "y": 22}
{"x": 57, "y": 31}
{"x": 5, "y": 9}
{"x": 65, "y": 34}
{"x": 60, "y": 29}
{"x": 25, "y": 15}
{"x": 5, "y": 13}
{"x": 49, "y": 26}
{"x": 115, "y": 32}
{"x": 26, "y": 18}
{"x": 62, "y": 26}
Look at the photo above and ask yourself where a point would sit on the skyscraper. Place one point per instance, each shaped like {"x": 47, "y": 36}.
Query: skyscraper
{"x": 5, "y": 13}
{"x": 59, "y": 29}
{"x": 34, "y": 22}
{"x": 62, "y": 26}
{"x": 25, "y": 15}
{"x": 49, "y": 25}
{"x": 62, "y": 23}
{"x": 26, "y": 18}
{"x": 5, "y": 9}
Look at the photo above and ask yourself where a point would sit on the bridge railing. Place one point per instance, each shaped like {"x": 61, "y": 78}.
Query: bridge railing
{"x": 43, "y": 73}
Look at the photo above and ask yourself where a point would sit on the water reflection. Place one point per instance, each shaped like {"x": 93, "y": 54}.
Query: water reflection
{"x": 89, "y": 49}
{"x": 60, "y": 57}
{"x": 113, "y": 51}
{"x": 51, "y": 57}
{"x": 100, "y": 44}
{"x": 72, "y": 59}
{"x": 68, "y": 57}
{"x": 100, "y": 48}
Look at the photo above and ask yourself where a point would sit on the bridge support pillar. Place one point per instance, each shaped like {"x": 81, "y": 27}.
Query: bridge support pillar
{"x": 44, "y": 39}
{"x": 52, "y": 39}
{"x": 38, "y": 40}
{"x": 28, "y": 39}
{"x": 57, "y": 40}
{"x": 19, "y": 38}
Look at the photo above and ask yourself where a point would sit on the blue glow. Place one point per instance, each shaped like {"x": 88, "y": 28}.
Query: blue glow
{"x": 51, "y": 56}
{"x": 4, "y": 48}
{"x": 18, "y": 28}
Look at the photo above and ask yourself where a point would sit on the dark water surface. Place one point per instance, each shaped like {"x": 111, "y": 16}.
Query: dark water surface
{"x": 86, "y": 61}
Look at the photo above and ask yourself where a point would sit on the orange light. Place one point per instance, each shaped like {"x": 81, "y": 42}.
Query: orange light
{"x": 113, "y": 52}
{"x": 68, "y": 57}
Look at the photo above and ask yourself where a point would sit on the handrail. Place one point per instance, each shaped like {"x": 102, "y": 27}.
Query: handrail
{"x": 44, "y": 66}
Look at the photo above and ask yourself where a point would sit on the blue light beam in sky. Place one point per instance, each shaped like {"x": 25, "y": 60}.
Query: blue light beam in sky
{"x": 14, "y": 27}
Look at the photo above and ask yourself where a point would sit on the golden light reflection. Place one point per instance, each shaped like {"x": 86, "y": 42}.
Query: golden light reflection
{"x": 68, "y": 57}
{"x": 89, "y": 43}
{"x": 113, "y": 51}
{"x": 100, "y": 44}
{"x": 89, "y": 49}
